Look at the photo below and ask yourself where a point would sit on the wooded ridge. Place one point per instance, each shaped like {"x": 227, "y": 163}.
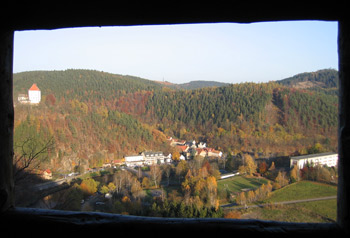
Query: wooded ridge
{"x": 96, "y": 116}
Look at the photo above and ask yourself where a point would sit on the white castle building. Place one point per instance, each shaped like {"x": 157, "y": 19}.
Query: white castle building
{"x": 33, "y": 97}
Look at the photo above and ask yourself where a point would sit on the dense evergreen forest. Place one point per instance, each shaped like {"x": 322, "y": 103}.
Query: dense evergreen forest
{"x": 95, "y": 117}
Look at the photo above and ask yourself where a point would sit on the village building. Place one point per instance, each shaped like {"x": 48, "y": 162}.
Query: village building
{"x": 329, "y": 159}
{"x": 201, "y": 152}
{"x": 151, "y": 157}
{"x": 134, "y": 160}
{"x": 202, "y": 145}
{"x": 146, "y": 158}
{"x": 46, "y": 174}
{"x": 175, "y": 142}
{"x": 183, "y": 148}
{"x": 191, "y": 144}
{"x": 23, "y": 98}
{"x": 214, "y": 153}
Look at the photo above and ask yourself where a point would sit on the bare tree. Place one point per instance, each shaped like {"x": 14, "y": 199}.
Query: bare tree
{"x": 29, "y": 156}
{"x": 156, "y": 174}
{"x": 119, "y": 180}
{"x": 167, "y": 171}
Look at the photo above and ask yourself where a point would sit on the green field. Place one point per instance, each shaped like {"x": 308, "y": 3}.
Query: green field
{"x": 237, "y": 183}
{"x": 317, "y": 211}
{"x": 302, "y": 190}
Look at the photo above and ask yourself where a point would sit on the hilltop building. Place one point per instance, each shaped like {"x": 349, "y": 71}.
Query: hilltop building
{"x": 33, "y": 96}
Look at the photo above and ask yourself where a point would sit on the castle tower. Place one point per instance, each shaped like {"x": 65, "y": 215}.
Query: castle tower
{"x": 34, "y": 94}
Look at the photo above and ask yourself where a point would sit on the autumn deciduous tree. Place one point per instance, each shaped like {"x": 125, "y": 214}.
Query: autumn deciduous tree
{"x": 262, "y": 167}
{"x": 294, "y": 174}
{"x": 89, "y": 186}
{"x": 249, "y": 166}
{"x": 136, "y": 189}
{"x": 50, "y": 99}
{"x": 212, "y": 191}
{"x": 241, "y": 198}
{"x": 181, "y": 169}
{"x": 176, "y": 156}
{"x": 250, "y": 196}
{"x": 145, "y": 182}
{"x": 281, "y": 179}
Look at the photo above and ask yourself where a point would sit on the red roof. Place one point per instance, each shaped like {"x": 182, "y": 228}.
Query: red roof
{"x": 48, "y": 171}
{"x": 34, "y": 88}
{"x": 182, "y": 147}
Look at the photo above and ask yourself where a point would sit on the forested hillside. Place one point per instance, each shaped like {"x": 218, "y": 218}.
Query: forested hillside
{"x": 325, "y": 81}
{"x": 261, "y": 118}
{"x": 95, "y": 116}
{"x": 83, "y": 85}
{"x": 197, "y": 85}
{"x": 79, "y": 110}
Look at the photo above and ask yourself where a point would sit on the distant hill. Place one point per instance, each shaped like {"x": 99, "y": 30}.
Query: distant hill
{"x": 325, "y": 78}
{"x": 81, "y": 84}
{"x": 198, "y": 84}
{"x": 201, "y": 84}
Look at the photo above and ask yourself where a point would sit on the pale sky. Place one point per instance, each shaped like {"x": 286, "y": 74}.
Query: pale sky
{"x": 224, "y": 52}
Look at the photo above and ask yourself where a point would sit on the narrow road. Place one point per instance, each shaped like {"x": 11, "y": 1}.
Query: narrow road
{"x": 90, "y": 202}
{"x": 233, "y": 205}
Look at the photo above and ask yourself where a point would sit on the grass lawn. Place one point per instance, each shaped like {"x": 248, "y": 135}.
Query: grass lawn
{"x": 302, "y": 190}
{"x": 237, "y": 183}
{"x": 317, "y": 211}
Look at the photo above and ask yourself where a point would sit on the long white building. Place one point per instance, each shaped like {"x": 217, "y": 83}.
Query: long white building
{"x": 330, "y": 159}
{"x": 134, "y": 160}
{"x": 146, "y": 158}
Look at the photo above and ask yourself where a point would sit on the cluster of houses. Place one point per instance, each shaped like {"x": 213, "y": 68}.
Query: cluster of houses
{"x": 191, "y": 148}
{"x": 187, "y": 150}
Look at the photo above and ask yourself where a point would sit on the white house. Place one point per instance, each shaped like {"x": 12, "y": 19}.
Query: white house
{"x": 34, "y": 94}
{"x": 330, "y": 159}
{"x": 202, "y": 145}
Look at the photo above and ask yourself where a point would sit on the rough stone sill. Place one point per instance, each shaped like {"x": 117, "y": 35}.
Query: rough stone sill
{"x": 31, "y": 219}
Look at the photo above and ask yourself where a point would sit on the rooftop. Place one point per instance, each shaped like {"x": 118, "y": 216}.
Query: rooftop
{"x": 34, "y": 87}
{"x": 313, "y": 155}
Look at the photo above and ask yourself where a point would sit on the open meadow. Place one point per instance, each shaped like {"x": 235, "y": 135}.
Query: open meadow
{"x": 315, "y": 211}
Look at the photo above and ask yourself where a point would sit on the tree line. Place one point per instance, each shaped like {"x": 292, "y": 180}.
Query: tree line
{"x": 194, "y": 195}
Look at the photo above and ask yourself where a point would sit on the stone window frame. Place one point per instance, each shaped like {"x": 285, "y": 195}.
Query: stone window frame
{"x": 30, "y": 220}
